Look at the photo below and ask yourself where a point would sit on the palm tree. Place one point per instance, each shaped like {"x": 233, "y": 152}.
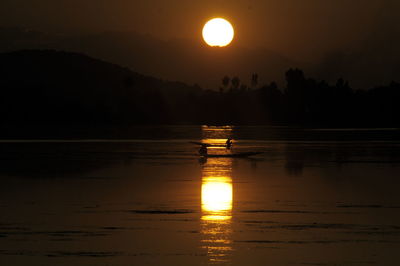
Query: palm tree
{"x": 225, "y": 82}
{"x": 254, "y": 80}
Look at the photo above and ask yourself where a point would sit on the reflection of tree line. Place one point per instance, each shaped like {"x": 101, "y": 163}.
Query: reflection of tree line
{"x": 297, "y": 156}
{"x": 54, "y": 160}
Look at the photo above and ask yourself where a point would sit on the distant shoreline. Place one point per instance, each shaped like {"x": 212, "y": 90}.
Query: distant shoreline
{"x": 191, "y": 132}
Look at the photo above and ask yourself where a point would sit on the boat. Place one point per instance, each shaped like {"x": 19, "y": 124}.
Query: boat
{"x": 232, "y": 155}
{"x": 200, "y": 143}
{"x": 207, "y": 144}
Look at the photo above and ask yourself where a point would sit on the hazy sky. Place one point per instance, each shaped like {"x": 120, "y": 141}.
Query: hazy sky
{"x": 301, "y": 29}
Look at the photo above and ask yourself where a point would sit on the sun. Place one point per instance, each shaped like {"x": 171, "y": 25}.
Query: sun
{"x": 218, "y": 32}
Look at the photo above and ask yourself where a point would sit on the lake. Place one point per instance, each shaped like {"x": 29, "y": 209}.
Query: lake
{"x": 313, "y": 197}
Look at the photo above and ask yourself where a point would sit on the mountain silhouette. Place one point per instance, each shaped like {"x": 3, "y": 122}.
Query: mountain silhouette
{"x": 373, "y": 62}
{"x": 189, "y": 61}
{"x": 48, "y": 86}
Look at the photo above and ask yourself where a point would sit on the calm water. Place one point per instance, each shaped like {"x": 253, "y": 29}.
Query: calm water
{"x": 153, "y": 202}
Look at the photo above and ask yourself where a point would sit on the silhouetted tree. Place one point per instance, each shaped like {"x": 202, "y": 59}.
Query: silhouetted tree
{"x": 271, "y": 99}
{"x": 295, "y": 93}
{"x": 225, "y": 81}
{"x": 235, "y": 83}
{"x": 254, "y": 81}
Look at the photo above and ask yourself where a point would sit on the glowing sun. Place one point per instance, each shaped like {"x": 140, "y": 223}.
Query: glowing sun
{"x": 218, "y": 32}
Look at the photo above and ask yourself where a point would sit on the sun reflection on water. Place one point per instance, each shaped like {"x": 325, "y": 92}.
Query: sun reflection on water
{"x": 216, "y": 205}
{"x": 217, "y": 195}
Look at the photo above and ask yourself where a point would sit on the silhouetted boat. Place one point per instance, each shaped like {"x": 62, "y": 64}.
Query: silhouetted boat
{"x": 235, "y": 155}
{"x": 201, "y": 143}
{"x": 207, "y": 144}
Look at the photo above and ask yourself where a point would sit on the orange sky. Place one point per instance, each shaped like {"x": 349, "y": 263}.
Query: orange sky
{"x": 354, "y": 39}
{"x": 303, "y": 30}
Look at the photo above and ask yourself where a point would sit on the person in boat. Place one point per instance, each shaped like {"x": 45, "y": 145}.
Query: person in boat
{"x": 229, "y": 144}
{"x": 203, "y": 150}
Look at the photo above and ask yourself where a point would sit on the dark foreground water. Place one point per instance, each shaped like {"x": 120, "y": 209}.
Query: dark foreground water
{"x": 153, "y": 202}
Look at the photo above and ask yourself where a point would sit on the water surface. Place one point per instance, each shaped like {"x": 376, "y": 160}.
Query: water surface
{"x": 153, "y": 201}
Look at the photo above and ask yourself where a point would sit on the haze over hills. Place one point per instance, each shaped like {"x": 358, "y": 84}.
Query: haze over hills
{"x": 183, "y": 60}
{"x": 374, "y": 62}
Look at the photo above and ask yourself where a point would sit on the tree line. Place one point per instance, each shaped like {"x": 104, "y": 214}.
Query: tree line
{"x": 51, "y": 87}
{"x": 303, "y": 102}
